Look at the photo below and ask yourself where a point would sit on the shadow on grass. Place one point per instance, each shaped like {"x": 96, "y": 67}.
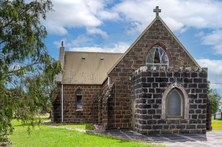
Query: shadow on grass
{"x": 122, "y": 140}
{"x": 36, "y": 123}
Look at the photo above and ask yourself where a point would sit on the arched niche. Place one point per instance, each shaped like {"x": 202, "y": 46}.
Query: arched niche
{"x": 185, "y": 101}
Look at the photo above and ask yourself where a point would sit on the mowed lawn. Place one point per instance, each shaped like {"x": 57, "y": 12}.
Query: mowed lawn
{"x": 216, "y": 124}
{"x": 60, "y": 137}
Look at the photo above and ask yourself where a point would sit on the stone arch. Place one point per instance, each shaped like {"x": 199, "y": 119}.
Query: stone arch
{"x": 163, "y": 46}
{"x": 184, "y": 94}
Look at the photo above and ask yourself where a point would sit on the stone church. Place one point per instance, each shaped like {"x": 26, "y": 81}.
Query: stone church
{"x": 155, "y": 87}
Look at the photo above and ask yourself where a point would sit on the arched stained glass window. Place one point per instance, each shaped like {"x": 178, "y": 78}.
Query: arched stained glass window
{"x": 174, "y": 104}
{"x": 79, "y": 100}
{"x": 157, "y": 57}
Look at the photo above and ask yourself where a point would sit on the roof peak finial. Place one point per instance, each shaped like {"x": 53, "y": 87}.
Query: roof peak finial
{"x": 157, "y": 10}
{"x": 62, "y": 43}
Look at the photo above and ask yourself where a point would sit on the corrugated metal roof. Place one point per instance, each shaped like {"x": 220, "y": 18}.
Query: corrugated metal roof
{"x": 91, "y": 70}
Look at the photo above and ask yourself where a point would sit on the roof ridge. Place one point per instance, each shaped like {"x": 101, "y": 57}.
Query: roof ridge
{"x": 93, "y": 52}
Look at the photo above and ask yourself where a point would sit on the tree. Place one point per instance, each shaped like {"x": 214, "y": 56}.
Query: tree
{"x": 48, "y": 86}
{"x": 23, "y": 55}
{"x": 215, "y": 97}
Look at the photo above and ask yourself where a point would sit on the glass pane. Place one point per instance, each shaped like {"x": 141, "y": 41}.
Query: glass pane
{"x": 174, "y": 103}
{"x": 164, "y": 58}
{"x": 160, "y": 51}
{"x": 157, "y": 67}
{"x": 79, "y": 102}
{"x": 79, "y": 92}
{"x": 156, "y": 56}
{"x": 149, "y": 67}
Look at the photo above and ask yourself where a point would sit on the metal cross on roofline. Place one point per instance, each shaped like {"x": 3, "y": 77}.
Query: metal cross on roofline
{"x": 157, "y": 10}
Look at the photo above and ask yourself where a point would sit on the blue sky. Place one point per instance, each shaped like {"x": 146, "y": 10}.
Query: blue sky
{"x": 113, "y": 25}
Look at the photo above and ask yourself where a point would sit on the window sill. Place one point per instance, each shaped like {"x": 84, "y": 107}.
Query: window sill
{"x": 174, "y": 118}
{"x": 79, "y": 109}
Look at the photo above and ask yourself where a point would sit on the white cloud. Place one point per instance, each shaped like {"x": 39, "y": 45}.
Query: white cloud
{"x": 54, "y": 28}
{"x": 59, "y": 43}
{"x": 200, "y": 34}
{"x": 80, "y": 40}
{"x": 214, "y": 66}
{"x": 120, "y": 47}
{"x": 214, "y": 71}
{"x": 174, "y": 24}
{"x": 214, "y": 39}
{"x": 97, "y": 31}
{"x": 73, "y": 13}
{"x": 176, "y": 13}
{"x": 106, "y": 15}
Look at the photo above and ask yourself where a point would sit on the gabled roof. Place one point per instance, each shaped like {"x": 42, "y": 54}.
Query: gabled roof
{"x": 148, "y": 27}
{"x": 87, "y": 67}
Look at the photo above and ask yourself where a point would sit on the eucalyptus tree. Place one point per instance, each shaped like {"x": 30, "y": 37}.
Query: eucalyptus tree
{"x": 23, "y": 55}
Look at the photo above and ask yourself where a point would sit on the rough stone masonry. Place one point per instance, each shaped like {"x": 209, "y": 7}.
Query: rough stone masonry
{"x": 147, "y": 90}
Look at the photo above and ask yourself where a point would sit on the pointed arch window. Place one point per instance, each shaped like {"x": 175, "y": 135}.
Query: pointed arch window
{"x": 174, "y": 105}
{"x": 79, "y": 99}
{"x": 157, "y": 57}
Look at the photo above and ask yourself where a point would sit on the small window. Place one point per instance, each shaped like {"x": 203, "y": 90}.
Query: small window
{"x": 157, "y": 57}
{"x": 174, "y": 104}
{"x": 79, "y": 100}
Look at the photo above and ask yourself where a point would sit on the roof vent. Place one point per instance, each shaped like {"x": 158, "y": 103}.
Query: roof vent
{"x": 101, "y": 58}
{"x": 83, "y": 57}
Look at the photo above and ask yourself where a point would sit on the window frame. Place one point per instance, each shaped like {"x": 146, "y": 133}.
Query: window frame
{"x": 182, "y": 105}
{"x": 78, "y": 109}
{"x": 186, "y": 103}
{"x": 157, "y": 64}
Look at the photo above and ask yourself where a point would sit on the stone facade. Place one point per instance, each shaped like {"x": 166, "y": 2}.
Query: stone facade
{"x": 89, "y": 112}
{"x": 134, "y": 59}
{"x": 147, "y": 90}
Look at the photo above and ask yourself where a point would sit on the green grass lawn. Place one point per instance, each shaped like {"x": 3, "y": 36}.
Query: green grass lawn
{"x": 44, "y": 135}
{"x": 53, "y": 137}
{"x": 72, "y": 126}
{"x": 216, "y": 124}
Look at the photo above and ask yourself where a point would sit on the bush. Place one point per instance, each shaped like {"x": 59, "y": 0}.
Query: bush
{"x": 89, "y": 127}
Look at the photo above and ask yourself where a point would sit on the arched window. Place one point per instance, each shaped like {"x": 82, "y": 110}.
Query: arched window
{"x": 174, "y": 104}
{"x": 79, "y": 100}
{"x": 157, "y": 57}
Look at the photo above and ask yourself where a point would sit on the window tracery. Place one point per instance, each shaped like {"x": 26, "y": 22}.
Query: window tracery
{"x": 157, "y": 57}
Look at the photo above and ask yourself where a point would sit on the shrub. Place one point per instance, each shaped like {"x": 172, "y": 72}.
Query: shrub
{"x": 89, "y": 127}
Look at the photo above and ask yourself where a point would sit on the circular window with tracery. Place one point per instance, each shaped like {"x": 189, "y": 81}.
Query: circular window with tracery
{"x": 157, "y": 58}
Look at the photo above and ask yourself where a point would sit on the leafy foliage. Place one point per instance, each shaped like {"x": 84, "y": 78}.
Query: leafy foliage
{"x": 24, "y": 60}
{"x": 89, "y": 127}
{"x": 215, "y": 97}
